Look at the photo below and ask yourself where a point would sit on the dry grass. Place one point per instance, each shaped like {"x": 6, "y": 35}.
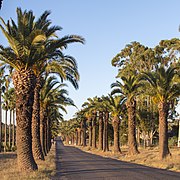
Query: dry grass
{"x": 147, "y": 157}
{"x": 9, "y": 170}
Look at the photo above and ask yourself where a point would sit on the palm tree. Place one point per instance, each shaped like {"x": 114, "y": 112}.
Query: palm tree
{"x": 53, "y": 95}
{"x": 56, "y": 62}
{"x": 165, "y": 88}
{"x": 100, "y": 147}
{"x": 6, "y": 106}
{"x": 116, "y": 106}
{"x": 88, "y": 115}
{"x": 1, "y": 89}
{"x": 91, "y": 107}
{"x": 129, "y": 88}
{"x": 27, "y": 42}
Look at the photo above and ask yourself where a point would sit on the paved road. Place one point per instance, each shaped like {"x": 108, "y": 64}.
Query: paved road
{"x": 74, "y": 164}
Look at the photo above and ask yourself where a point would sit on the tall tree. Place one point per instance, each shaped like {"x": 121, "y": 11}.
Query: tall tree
{"x": 64, "y": 66}
{"x": 27, "y": 41}
{"x": 1, "y": 89}
{"x": 129, "y": 88}
{"x": 165, "y": 88}
{"x": 116, "y": 106}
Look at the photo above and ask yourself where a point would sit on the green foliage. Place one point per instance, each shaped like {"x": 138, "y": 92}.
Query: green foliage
{"x": 172, "y": 141}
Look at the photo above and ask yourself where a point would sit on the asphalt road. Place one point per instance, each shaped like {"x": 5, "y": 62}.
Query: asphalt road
{"x": 74, "y": 164}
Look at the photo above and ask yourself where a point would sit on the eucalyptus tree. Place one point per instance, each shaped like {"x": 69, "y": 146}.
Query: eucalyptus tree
{"x": 129, "y": 88}
{"x": 27, "y": 41}
{"x": 133, "y": 59}
{"x": 165, "y": 88}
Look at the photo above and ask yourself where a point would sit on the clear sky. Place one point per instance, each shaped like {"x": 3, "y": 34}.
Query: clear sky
{"x": 107, "y": 26}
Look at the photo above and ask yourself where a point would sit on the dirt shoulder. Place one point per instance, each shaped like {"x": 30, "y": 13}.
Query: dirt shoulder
{"x": 148, "y": 157}
{"x": 9, "y": 169}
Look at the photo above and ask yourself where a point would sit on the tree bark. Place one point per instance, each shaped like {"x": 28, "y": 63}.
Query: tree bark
{"x": 24, "y": 83}
{"x": 79, "y": 136}
{"x": 36, "y": 142}
{"x": 116, "y": 123}
{"x": 84, "y": 133}
{"x": 90, "y": 131}
{"x": 0, "y": 119}
{"x": 42, "y": 129}
{"x": 10, "y": 122}
{"x": 131, "y": 107}
{"x": 13, "y": 130}
{"x": 5, "y": 132}
{"x": 105, "y": 133}
{"x": 100, "y": 131}
{"x": 76, "y": 137}
{"x": 94, "y": 131}
{"x": 163, "y": 108}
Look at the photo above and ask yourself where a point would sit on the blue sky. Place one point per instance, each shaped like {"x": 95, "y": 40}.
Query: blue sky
{"x": 107, "y": 26}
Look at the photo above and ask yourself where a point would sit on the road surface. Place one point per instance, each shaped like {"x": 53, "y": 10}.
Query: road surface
{"x": 74, "y": 164}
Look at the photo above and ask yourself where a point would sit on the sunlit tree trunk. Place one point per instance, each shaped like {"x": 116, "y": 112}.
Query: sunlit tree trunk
{"x": 90, "y": 131}
{"x": 94, "y": 130}
{"x": 10, "y": 122}
{"x": 163, "y": 108}
{"x": 13, "y": 130}
{"x": 100, "y": 131}
{"x": 24, "y": 83}
{"x": 84, "y": 132}
{"x": 0, "y": 119}
{"x": 5, "y": 131}
{"x": 36, "y": 142}
{"x": 105, "y": 132}
{"x": 116, "y": 123}
{"x": 79, "y": 136}
{"x": 42, "y": 129}
{"x": 131, "y": 106}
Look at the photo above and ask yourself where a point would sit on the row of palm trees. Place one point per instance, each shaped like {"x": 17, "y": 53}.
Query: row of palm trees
{"x": 147, "y": 90}
{"x": 38, "y": 70}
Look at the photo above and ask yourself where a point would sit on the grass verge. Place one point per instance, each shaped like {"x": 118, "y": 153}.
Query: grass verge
{"x": 9, "y": 170}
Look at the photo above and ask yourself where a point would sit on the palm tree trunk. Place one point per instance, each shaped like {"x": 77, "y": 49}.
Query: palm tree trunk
{"x": 105, "y": 133}
{"x": 100, "y": 131}
{"x": 163, "y": 108}
{"x": 116, "y": 123}
{"x": 94, "y": 131}
{"x": 90, "y": 132}
{"x": 84, "y": 133}
{"x": 10, "y": 122}
{"x": 76, "y": 137}
{"x": 43, "y": 130}
{"x": 5, "y": 132}
{"x": 0, "y": 119}
{"x": 24, "y": 83}
{"x": 36, "y": 142}
{"x": 47, "y": 135}
{"x": 79, "y": 136}
{"x": 13, "y": 130}
{"x": 131, "y": 106}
